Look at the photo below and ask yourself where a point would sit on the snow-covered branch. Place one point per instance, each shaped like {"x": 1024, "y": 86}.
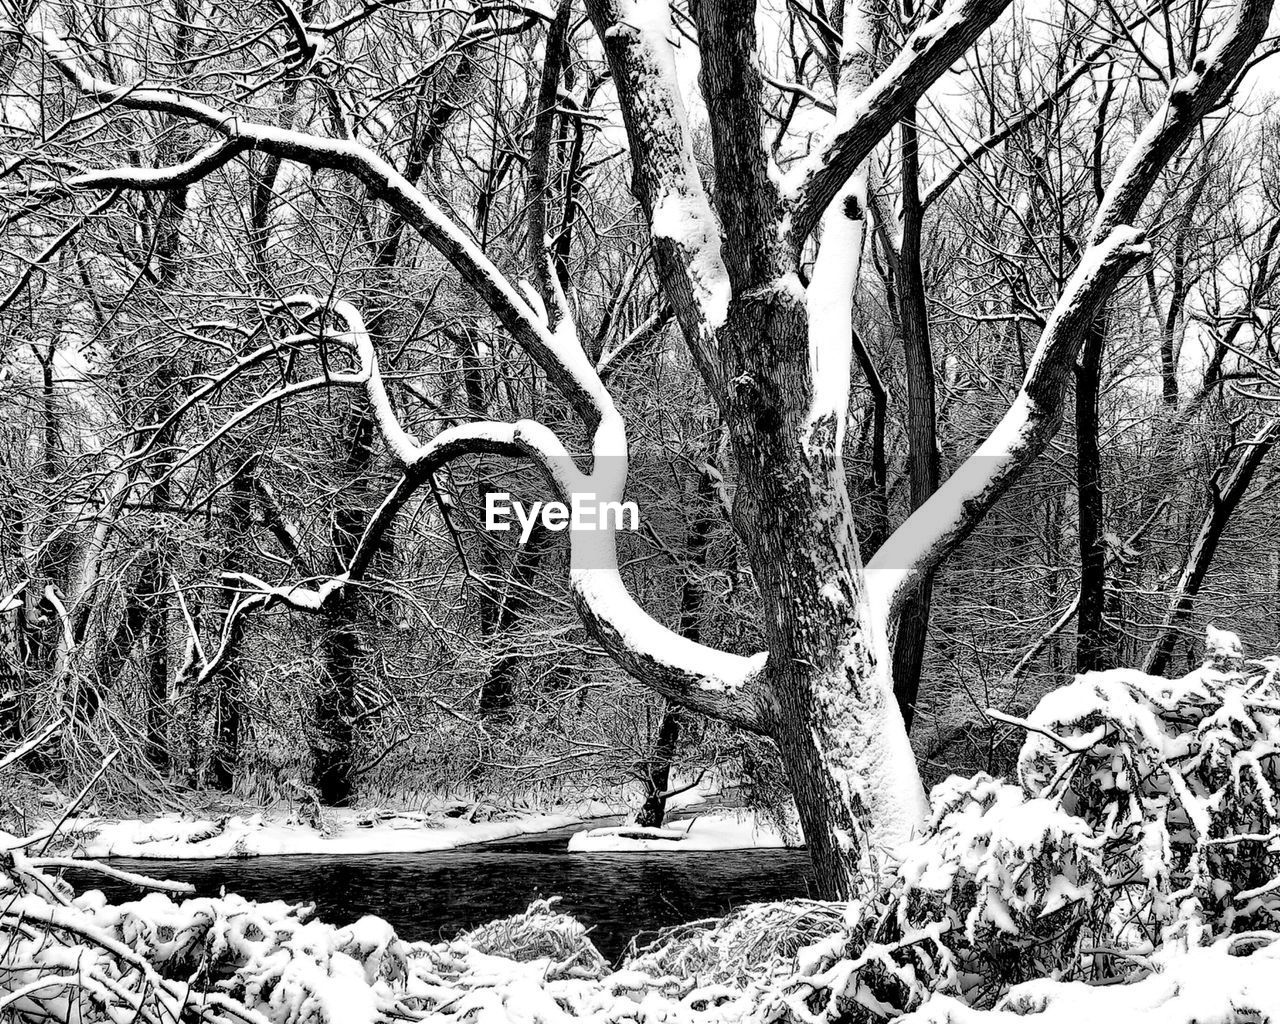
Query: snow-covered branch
{"x": 941, "y": 523}
{"x": 138, "y": 179}
{"x": 559, "y": 355}
{"x": 858, "y": 127}
{"x": 1191, "y": 98}
{"x": 935, "y": 529}
{"x": 703, "y": 679}
{"x": 686, "y": 234}
{"x": 711, "y": 682}
{"x": 829, "y": 296}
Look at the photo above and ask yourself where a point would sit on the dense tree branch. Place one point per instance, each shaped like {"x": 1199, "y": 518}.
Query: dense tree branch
{"x": 561, "y": 358}
{"x": 1015, "y": 124}
{"x": 1226, "y": 491}
{"x": 939, "y": 526}
{"x": 705, "y": 680}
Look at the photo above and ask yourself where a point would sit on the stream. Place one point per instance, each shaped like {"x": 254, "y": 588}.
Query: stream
{"x": 433, "y": 896}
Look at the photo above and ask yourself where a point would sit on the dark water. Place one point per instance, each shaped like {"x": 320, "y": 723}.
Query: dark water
{"x": 429, "y": 896}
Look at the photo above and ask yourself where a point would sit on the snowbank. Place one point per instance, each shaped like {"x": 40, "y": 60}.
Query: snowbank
{"x": 175, "y": 837}
{"x": 1227, "y": 983}
{"x": 723, "y": 830}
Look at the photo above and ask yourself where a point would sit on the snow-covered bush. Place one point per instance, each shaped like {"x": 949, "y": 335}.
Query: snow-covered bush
{"x": 1179, "y": 780}
{"x": 1007, "y": 882}
{"x": 753, "y": 944}
{"x": 1232, "y": 981}
{"x": 80, "y": 958}
{"x": 1146, "y": 822}
{"x": 540, "y": 934}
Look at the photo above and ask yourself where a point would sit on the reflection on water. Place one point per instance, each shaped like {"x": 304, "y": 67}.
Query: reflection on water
{"x": 429, "y": 896}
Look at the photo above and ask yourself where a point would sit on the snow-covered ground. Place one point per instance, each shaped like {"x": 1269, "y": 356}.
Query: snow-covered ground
{"x": 184, "y": 837}
{"x": 720, "y": 829}
{"x": 699, "y": 822}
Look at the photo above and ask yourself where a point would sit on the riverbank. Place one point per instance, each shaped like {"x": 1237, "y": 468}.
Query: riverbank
{"x": 178, "y": 837}
{"x": 246, "y": 831}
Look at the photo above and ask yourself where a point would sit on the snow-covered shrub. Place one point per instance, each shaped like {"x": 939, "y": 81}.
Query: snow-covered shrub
{"x": 1179, "y": 780}
{"x": 1003, "y": 879}
{"x": 1233, "y": 981}
{"x": 753, "y": 944}
{"x": 1146, "y": 819}
{"x": 149, "y": 958}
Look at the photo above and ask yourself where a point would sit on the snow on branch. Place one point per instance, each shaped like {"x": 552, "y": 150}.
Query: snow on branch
{"x": 935, "y": 529}
{"x": 711, "y": 682}
{"x": 1192, "y": 97}
{"x": 838, "y": 261}
{"x": 942, "y": 522}
{"x": 142, "y": 179}
{"x": 686, "y": 234}
{"x": 556, "y": 352}
{"x": 859, "y": 126}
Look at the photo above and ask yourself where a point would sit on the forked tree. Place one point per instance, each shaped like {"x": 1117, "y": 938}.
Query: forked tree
{"x": 760, "y": 268}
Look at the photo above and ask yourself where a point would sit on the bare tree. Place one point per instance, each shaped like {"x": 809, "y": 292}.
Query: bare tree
{"x": 759, "y": 268}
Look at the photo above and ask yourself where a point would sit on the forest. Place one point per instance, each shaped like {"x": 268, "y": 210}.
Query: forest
{"x": 915, "y": 362}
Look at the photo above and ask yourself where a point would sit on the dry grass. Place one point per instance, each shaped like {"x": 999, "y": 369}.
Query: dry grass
{"x": 753, "y": 944}
{"x": 541, "y": 933}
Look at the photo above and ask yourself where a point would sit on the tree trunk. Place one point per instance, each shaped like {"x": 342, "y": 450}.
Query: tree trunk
{"x": 1226, "y": 490}
{"x": 875, "y": 487}
{"x": 697, "y": 538}
{"x": 1091, "y": 643}
{"x": 922, "y": 429}
{"x": 342, "y": 652}
{"x": 228, "y": 683}
{"x": 653, "y": 811}
{"x": 834, "y": 719}
{"x": 333, "y": 743}
{"x": 143, "y": 618}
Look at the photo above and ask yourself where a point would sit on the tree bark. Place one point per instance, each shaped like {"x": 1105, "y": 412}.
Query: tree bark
{"x": 1091, "y": 642}
{"x": 229, "y": 682}
{"x": 833, "y": 716}
{"x": 922, "y": 430}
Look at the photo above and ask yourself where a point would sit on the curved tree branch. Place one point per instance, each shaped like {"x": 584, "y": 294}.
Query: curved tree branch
{"x": 703, "y": 679}
{"x": 560, "y": 357}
